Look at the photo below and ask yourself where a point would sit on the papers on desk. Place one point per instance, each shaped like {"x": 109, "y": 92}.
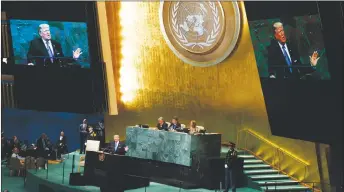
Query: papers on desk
{"x": 92, "y": 145}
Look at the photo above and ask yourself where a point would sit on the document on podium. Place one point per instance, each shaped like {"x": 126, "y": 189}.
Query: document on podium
{"x": 92, "y": 145}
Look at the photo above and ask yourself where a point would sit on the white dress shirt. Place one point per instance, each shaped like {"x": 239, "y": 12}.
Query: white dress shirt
{"x": 14, "y": 155}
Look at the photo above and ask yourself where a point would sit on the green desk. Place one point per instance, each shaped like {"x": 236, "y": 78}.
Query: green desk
{"x": 171, "y": 147}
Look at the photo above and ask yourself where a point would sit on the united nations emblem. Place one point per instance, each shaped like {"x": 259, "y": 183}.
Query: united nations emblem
{"x": 101, "y": 157}
{"x": 200, "y": 33}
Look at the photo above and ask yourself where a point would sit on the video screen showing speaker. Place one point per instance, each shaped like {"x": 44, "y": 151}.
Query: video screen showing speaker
{"x": 50, "y": 43}
{"x": 290, "y": 48}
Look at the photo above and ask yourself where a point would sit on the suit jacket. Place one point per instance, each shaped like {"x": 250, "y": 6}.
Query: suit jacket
{"x": 62, "y": 143}
{"x": 38, "y": 49}
{"x": 276, "y": 58}
{"x": 16, "y": 144}
{"x": 164, "y": 126}
{"x": 41, "y": 147}
{"x": 231, "y": 158}
{"x": 83, "y": 131}
{"x": 177, "y": 127}
{"x": 120, "y": 148}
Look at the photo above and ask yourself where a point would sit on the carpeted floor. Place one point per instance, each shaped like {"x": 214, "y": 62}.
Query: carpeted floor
{"x": 13, "y": 184}
{"x": 55, "y": 175}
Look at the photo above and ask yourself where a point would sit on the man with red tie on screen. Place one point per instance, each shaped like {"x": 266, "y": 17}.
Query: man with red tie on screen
{"x": 117, "y": 147}
{"x": 44, "y": 51}
{"x": 283, "y": 55}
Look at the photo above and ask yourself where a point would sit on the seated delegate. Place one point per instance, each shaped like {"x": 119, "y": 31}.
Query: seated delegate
{"x": 193, "y": 128}
{"x": 162, "y": 125}
{"x": 175, "y": 125}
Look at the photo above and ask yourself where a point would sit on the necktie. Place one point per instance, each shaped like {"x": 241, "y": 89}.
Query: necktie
{"x": 116, "y": 145}
{"x": 287, "y": 59}
{"x": 51, "y": 55}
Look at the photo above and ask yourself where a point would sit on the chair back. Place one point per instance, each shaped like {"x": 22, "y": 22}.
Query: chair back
{"x": 41, "y": 162}
{"x": 15, "y": 163}
{"x": 30, "y": 162}
{"x": 200, "y": 128}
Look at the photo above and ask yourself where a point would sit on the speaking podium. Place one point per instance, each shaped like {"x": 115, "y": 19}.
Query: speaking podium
{"x": 301, "y": 72}
{"x": 47, "y": 61}
{"x": 111, "y": 172}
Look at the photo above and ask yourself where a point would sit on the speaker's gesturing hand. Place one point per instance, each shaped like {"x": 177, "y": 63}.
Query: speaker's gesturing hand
{"x": 77, "y": 53}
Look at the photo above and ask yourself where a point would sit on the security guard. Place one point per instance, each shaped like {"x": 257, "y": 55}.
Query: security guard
{"x": 230, "y": 165}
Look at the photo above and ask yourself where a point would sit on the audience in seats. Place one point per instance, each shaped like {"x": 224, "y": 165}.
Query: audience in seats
{"x": 15, "y": 154}
{"x": 15, "y": 143}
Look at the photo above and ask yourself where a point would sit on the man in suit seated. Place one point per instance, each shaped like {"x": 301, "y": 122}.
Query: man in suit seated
{"x": 175, "y": 125}
{"x": 162, "y": 125}
{"x": 61, "y": 145}
{"x": 15, "y": 143}
{"x": 284, "y": 53}
{"x": 117, "y": 147}
{"x": 43, "y": 50}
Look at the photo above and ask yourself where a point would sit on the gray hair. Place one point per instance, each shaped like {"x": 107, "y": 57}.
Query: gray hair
{"x": 42, "y": 26}
{"x": 161, "y": 118}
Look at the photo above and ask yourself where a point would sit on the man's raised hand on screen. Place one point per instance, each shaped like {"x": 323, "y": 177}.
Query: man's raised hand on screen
{"x": 314, "y": 59}
{"x": 77, "y": 53}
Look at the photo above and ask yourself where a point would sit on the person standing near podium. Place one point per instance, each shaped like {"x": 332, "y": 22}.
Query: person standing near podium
{"x": 117, "y": 147}
{"x": 61, "y": 145}
{"x": 230, "y": 173}
{"x": 83, "y": 135}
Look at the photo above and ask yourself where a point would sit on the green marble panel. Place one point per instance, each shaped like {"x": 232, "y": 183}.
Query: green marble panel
{"x": 171, "y": 147}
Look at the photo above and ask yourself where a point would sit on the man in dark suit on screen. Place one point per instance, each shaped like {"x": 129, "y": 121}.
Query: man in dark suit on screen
{"x": 43, "y": 50}
{"x": 283, "y": 55}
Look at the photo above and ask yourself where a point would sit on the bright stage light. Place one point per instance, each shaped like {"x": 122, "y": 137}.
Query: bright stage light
{"x": 130, "y": 47}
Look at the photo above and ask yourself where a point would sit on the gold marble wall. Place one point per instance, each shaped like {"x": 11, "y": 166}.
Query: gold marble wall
{"x": 150, "y": 81}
